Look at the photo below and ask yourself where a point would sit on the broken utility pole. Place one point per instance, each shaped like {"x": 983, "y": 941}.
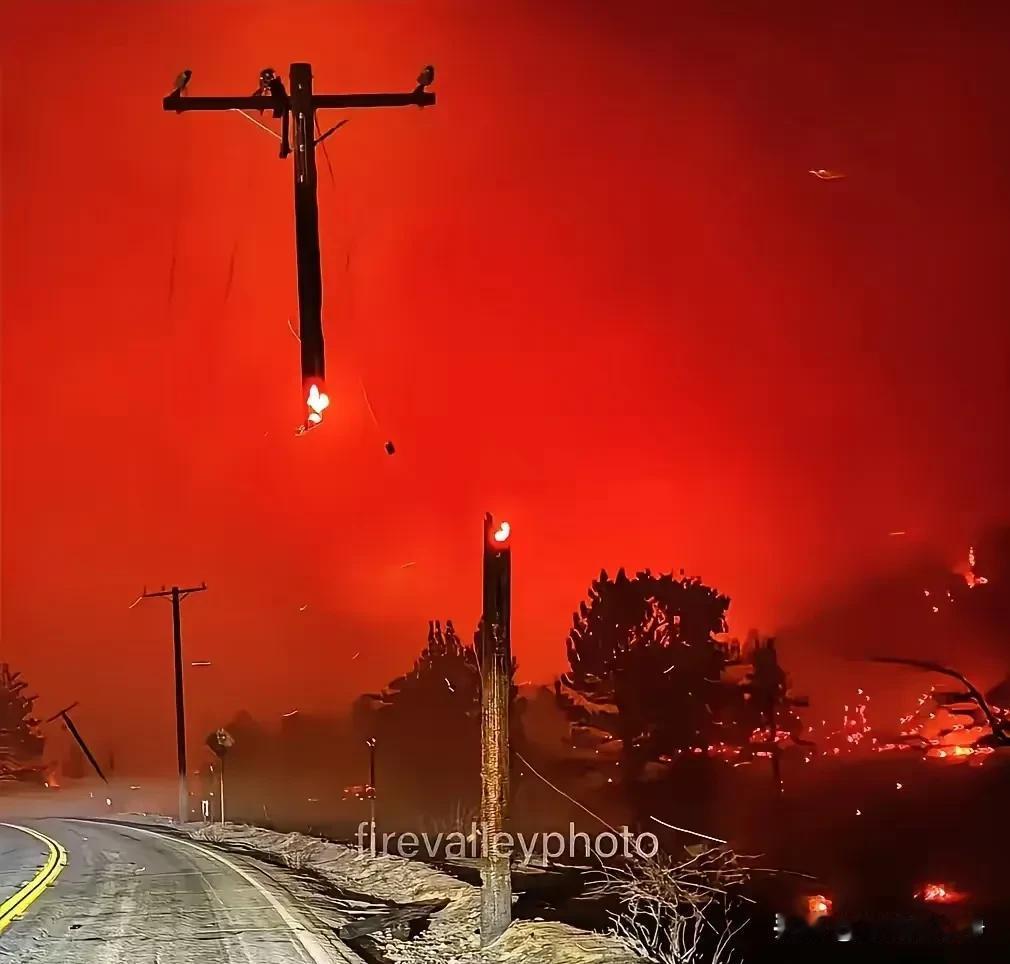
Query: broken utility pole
{"x": 64, "y": 715}
{"x": 297, "y": 111}
{"x": 177, "y": 595}
{"x": 496, "y": 682}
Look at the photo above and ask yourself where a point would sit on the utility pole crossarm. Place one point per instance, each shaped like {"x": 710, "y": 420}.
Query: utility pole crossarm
{"x": 296, "y": 107}
{"x": 169, "y": 592}
{"x": 177, "y": 103}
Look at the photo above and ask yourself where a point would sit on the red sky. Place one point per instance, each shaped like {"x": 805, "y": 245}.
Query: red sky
{"x": 594, "y": 290}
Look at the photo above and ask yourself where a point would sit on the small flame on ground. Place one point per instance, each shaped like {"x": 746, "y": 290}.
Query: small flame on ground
{"x": 940, "y": 894}
{"x": 818, "y": 905}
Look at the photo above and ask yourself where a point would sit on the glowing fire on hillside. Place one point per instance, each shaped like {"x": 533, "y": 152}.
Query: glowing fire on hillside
{"x": 936, "y": 893}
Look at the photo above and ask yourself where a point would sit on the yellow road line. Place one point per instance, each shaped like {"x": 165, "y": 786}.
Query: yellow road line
{"x": 15, "y": 906}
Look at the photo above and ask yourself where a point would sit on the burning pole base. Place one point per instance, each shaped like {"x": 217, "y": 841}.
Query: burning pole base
{"x": 495, "y": 671}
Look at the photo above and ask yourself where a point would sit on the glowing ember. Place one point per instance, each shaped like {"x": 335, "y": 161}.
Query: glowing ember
{"x": 939, "y": 894}
{"x": 854, "y": 734}
{"x": 359, "y": 791}
{"x": 971, "y": 577}
{"x": 948, "y": 752}
{"x": 818, "y": 906}
{"x": 502, "y": 533}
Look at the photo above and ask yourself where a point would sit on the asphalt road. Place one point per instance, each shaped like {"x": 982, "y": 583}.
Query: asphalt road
{"x": 129, "y": 896}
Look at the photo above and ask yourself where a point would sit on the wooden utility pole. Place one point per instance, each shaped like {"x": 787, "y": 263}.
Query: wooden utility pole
{"x": 496, "y": 681}
{"x": 298, "y": 113}
{"x": 177, "y": 595}
{"x": 64, "y": 715}
{"x": 371, "y": 796}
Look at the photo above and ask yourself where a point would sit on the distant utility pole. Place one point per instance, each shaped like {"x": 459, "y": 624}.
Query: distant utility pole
{"x": 496, "y": 680}
{"x": 177, "y": 595}
{"x": 297, "y": 111}
{"x": 371, "y": 795}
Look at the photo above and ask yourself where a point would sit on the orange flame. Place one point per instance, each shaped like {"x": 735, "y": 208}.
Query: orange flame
{"x": 317, "y": 401}
{"x": 818, "y": 906}
{"x": 940, "y": 894}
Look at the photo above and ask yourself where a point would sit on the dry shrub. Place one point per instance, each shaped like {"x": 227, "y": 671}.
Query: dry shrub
{"x": 678, "y": 911}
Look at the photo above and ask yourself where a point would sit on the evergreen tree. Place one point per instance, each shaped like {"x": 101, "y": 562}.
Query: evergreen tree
{"x": 20, "y": 742}
{"x": 646, "y": 666}
{"x": 445, "y": 679}
{"x": 427, "y": 727}
{"x": 760, "y": 718}
{"x": 763, "y": 709}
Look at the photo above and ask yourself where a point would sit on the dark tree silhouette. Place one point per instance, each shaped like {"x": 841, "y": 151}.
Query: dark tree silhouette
{"x": 427, "y": 727}
{"x": 645, "y": 666}
{"x": 763, "y": 712}
{"x": 445, "y": 680}
{"x": 20, "y": 742}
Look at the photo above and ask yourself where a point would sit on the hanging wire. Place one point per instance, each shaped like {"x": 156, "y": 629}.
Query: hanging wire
{"x": 259, "y": 124}
{"x": 320, "y": 140}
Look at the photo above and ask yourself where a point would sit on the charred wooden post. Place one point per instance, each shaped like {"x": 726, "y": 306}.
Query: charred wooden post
{"x": 495, "y": 670}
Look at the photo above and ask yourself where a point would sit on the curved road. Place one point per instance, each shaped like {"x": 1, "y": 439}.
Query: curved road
{"x": 133, "y": 896}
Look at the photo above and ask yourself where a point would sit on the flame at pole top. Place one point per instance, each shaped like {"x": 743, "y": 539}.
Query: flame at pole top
{"x": 497, "y": 534}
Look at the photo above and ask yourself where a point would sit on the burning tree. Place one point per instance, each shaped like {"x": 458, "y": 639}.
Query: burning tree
{"x": 645, "y": 667}
{"x": 20, "y": 742}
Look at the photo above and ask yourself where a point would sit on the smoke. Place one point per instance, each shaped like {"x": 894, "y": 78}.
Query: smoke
{"x": 933, "y": 605}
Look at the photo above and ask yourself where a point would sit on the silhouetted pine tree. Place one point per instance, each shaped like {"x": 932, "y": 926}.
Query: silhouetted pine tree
{"x": 427, "y": 727}
{"x": 762, "y": 710}
{"x": 645, "y": 666}
{"x": 20, "y": 742}
{"x": 445, "y": 679}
